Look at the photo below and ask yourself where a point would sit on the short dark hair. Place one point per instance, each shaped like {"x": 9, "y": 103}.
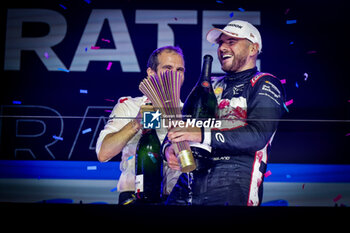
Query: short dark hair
{"x": 153, "y": 61}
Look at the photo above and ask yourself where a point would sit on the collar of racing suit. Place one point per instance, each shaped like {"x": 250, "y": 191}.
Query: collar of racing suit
{"x": 245, "y": 75}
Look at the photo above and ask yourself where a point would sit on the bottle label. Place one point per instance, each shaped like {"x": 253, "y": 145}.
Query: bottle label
{"x": 139, "y": 183}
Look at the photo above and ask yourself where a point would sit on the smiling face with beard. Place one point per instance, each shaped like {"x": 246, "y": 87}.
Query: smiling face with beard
{"x": 235, "y": 54}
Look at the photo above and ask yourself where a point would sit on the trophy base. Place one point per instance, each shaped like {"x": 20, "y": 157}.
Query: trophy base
{"x": 186, "y": 160}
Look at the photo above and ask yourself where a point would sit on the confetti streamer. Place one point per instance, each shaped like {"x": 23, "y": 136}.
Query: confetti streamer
{"x": 108, "y": 110}
{"x": 311, "y": 52}
{"x": 114, "y": 189}
{"x": 95, "y": 47}
{"x": 289, "y": 102}
{"x": 88, "y": 130}
{"x": 348, "y": 134}
{"x": 291, "y": 21}
{"x": 108, "y": 41}
{"x": 267, "y": 174}
{"x": 109, "y": 100}
{"x": 151, "y": 156}
{"x": 82, "y": 91}
{"x": 337, "y": 198}
{"x": 306, "y": 76}
{"x": 218, "y": 1}
{"x": 241, "y": 9}
{"x": 16, "y": 102}
{"x": 62, "y": 69}
{"x": 109, "y": 65}
{"x": 285, "y": 107}
{"x": 283, "y": 81}
{"x": 63, "y": 7}
{"x": 57, "y": 138}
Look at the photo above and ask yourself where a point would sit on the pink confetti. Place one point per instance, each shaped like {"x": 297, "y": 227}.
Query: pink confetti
{"x": 303, "y": 186}
{"x": 311, "y": 52}
{"x": 109, "y": 100}
{"x": 348, "y": 134}
{"x": 337, "y": 198}
{"x": 283, "y": 81}
{"x": 289, "y": 102}
{"x": 108, "y": 41}
{"x": 108, "y": 110}
{"x": 95, "y": 47}
{"x": 109, "y": 65}
{"x": 267, "y": 174}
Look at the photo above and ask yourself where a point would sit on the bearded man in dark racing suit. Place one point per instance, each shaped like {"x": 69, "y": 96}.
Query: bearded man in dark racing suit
{"x": 250, "y": 104}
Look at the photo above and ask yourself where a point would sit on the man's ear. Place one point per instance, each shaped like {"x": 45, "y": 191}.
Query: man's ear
{"x": 254, "y": 49}
{"x": 150, "y": 71}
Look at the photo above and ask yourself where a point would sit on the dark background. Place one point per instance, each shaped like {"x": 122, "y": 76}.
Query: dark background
{"x": 319, "y": 48}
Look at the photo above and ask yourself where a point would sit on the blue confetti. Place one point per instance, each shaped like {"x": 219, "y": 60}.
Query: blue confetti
{"x": 291, "y": 21}
{"x": 151, "y": 156}
{"x": 231, "y": 14}
{"x": 218, "y": 1}
{"x": 285, "y": 107}
{"x": 83, "y": 91}
{"x": 288, "y": 176}
{"x": 16, "y": 102}
{"x": 241, "y": 9}
{"x": 86, "y": 49}
{"x": 86, "y": 130}
{"x": 87, "y": 1}
{"x": 296, "y": 84}
{"x": 61, "y": 69}
{"x": 130, "y": 157}
{"x": 291, "y": 43}
{"x": 113, "y": 189}
{"x": 63, "y": 7}
{"x": 57, "y": 138}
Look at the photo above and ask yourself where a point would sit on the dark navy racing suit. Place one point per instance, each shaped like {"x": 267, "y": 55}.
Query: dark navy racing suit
{"x": 250, "y": 105}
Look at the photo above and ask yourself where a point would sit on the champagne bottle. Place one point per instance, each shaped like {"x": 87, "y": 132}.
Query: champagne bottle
{"x": 148, "y": 167}
{"x": 201, "y": 104}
